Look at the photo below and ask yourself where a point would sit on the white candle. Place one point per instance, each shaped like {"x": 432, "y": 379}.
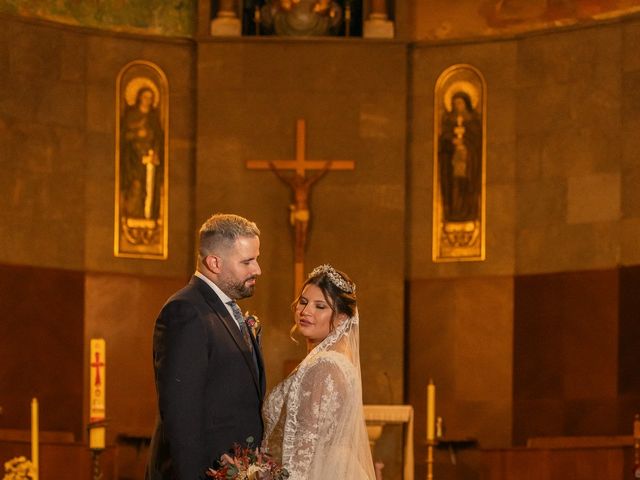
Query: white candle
{"x": 34, "y": 436}
{"x": 431, "y": 411}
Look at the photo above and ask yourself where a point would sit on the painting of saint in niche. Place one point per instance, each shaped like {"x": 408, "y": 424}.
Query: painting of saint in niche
{"x": 459, "y": 165}
{"x": 141, "y": 162}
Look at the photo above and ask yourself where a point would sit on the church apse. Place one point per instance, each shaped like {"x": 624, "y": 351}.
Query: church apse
{"x": 142, "y": 180}
{"x": 459, "y": 165}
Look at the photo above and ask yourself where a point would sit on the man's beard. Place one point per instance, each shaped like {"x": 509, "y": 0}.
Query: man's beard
{"x": 238, "y": 290}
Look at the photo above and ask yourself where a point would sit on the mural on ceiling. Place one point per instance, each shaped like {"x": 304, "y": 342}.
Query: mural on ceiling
{"x": 157, "y": 17}
{"x": 441, "y": 19}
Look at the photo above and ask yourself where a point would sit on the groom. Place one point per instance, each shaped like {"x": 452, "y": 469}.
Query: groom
{"x": 208, "y": 367}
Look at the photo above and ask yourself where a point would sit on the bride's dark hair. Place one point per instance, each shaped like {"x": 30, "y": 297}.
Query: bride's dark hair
{"x": 339, "y": 300}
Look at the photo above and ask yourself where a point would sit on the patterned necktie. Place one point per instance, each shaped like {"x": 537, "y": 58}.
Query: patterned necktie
{"x": 237, "y": 313}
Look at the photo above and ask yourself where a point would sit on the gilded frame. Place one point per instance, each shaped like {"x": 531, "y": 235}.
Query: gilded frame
{"x": 459, "y": 189}
{"x": 141, "y": 207}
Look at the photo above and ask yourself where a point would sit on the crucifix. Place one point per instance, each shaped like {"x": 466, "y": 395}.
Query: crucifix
{"x": 300, "y": 184}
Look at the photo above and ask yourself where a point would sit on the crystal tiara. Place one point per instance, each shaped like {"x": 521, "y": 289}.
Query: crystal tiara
{"x": 335, "y": 278}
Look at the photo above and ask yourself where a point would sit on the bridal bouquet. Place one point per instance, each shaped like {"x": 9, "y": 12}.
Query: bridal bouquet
{"x": 248, "y": 463}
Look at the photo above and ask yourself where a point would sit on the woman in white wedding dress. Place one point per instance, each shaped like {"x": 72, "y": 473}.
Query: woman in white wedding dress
{"x": 314, "y": 420}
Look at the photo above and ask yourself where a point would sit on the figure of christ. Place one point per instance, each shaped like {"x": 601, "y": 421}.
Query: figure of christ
{"x": 299, "y": 210}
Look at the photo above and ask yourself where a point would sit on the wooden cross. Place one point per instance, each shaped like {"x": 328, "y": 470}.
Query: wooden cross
{"x": 301, "y": 185}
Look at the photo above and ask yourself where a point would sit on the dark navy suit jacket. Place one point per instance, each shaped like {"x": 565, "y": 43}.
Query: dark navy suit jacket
{"x": 209, "y": 392}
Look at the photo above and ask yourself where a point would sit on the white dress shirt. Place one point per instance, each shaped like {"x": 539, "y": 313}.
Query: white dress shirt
{"x": 221, "y": 295}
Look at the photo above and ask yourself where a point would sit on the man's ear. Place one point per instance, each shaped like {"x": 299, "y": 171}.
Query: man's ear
{"x": 213, "y": 263}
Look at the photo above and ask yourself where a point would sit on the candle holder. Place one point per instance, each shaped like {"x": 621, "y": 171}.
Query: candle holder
{"x": 431, "y": 444}
{"x": 97, "y": 447}
{"x": 96, "y": 472}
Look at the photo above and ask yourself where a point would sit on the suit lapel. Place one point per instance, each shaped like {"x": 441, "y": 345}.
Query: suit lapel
{"x": 258, "y": 349}
{"x": 230, "y": 324}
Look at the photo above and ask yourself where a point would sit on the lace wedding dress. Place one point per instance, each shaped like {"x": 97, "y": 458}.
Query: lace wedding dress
{"x": 314, "y": 421}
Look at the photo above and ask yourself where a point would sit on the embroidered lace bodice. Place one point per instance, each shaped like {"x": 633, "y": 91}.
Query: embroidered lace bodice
{"x": 314, "y": 421}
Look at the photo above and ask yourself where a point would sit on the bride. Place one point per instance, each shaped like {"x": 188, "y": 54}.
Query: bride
{"x": 314, "y": 422}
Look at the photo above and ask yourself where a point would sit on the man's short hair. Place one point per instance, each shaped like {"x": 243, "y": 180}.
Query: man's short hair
{"x": 221, "y": 230}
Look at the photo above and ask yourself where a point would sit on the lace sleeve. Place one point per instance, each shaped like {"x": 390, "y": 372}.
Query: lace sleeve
{"x": 320, "y": 407}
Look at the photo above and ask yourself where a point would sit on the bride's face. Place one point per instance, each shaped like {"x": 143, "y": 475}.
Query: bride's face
{"x": 314, "y": 314}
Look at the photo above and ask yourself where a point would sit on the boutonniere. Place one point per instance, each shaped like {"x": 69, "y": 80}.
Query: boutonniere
{"x": 253, "y": 323}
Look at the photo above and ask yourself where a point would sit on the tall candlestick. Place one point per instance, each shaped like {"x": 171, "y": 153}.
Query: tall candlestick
{"x": 97, "y": 396}
{"x": 431, "y": 411}
{"x": 636, "y": 446}
{"x": 430, "y": 461}
{"x": 34, "y": 437}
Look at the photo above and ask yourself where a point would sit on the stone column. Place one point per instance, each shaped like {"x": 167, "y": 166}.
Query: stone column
{"x": 226, "y": 23}
{"x": 378, "y": 24}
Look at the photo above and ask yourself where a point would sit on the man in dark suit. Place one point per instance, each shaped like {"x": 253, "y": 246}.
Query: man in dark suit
{"x": 208, "y": 367}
